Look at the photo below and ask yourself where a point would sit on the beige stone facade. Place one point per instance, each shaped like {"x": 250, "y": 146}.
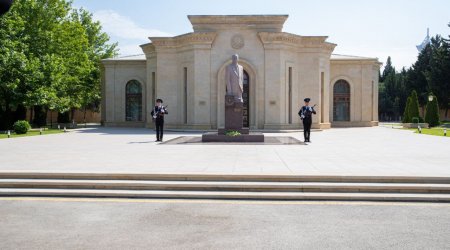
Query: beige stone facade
{"x": 188, "y": 73}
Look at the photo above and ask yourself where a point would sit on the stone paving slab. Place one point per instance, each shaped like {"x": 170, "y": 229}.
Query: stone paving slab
{"x": 376, "y": 151}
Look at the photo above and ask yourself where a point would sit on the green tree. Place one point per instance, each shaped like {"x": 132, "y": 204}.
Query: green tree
{"x": 406, "y": 118}
{"x": 417, "y": 80}
{"x": 393, "y": 92}
{"x": 388, "y": 69}
{"x": 98, "y": 49}
{"x": 430, "y": 72}
{"x": 49, "y": 58}
{"x": 14, "y": 67}
{"x": 432, "y": 113}
{"x": 438, "y": 75}
{"x": 401, "y": 88}
{"x": 388, "y": 105}
{"x": 414, "y": 106}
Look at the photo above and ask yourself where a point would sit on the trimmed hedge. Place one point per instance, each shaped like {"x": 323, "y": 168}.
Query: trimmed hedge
{"x": 406, "y": 118}
{"x": 414, "y": 106}
{"x": 21, "y": 127}
{"x": 412, "y": 109}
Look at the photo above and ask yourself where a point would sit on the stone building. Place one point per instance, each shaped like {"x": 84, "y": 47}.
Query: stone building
{"x": 281, "y": 69}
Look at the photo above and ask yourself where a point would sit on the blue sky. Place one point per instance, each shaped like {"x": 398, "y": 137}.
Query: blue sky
{"x": 365, "y": 28}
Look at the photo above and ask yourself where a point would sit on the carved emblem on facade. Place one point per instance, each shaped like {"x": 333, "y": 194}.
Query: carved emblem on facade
{"x": 237, "y": 42}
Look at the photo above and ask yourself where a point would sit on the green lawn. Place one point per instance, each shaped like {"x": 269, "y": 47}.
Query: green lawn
{"x": 32, "y": 132}
{"x": 433, "y": 131}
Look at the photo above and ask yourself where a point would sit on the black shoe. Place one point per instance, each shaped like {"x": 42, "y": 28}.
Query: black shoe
{"x": 157, "y": 140}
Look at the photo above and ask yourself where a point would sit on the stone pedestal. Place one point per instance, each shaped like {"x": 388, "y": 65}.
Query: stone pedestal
{"x": 233, "y": 122}
{"x": 233, "y": 116}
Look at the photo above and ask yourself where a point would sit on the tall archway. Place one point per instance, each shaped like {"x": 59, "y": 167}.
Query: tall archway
{"x": 341, "y": 101}
{"x": 133, "y": 101}
{"x": 250, "y": 83}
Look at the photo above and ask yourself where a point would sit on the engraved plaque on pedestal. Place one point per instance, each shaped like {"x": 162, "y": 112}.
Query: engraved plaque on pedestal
{"x": 233, "y": 113}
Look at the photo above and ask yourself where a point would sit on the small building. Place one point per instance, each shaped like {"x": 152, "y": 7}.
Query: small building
{"x": 280, "y": 70}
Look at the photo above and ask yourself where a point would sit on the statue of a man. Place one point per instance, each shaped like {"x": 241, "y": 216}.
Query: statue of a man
{"x": 234, "y": 77}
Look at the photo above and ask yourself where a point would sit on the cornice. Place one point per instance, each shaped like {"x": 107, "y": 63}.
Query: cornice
{"x": 296, "y": 40}
{"x": 203, "y": 38}
{"x": 214, "y": 22}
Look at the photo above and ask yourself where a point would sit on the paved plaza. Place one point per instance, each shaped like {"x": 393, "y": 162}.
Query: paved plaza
{"x": 376, "y": 151}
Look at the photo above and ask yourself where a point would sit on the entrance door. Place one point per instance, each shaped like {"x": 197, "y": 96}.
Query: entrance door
{"x": 246, "y": 100}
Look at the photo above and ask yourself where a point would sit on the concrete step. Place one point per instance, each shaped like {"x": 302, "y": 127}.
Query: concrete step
{"x": 225, "y": 177}
{"x": 227, "y": 186}
{"x": 225, "y": 195}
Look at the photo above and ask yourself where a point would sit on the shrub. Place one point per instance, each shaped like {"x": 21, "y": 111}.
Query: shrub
{"x": 432, "y": 113}
{"x": 21, "y": 127}
{"x": 406, "y": 118}
{"x": 415, "y": 120}
{"x": 413, "y": 106}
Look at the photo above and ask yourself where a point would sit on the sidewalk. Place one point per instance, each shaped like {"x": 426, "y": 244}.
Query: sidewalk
{"x": 374, "y": 151}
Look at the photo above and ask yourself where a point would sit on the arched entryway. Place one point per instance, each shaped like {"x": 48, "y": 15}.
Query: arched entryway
{"x": 341, "y": 101}
{"x": 246, "y": 100}
{"x": 133, "y": 101}
{"x": 250, "y": 94}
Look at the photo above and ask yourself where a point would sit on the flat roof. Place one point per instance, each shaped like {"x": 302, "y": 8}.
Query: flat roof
{"x": 350, "y": 57}
{"x": 138, "y": 57}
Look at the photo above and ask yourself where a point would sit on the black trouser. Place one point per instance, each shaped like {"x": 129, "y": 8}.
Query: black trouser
{"x": 159, "y": 129}
{"x": 307, "y": 127}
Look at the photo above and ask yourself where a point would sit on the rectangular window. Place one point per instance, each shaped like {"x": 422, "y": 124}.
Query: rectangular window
{"x": 322, "y": 96}
{"x": 185, "y": 83}
{"x": 290, "y": 95}
{"x": 153, "y": 88}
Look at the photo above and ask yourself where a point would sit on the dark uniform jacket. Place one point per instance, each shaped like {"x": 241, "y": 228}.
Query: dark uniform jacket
{"x": 306, "y": 112}
{"x": 157, "y": 111}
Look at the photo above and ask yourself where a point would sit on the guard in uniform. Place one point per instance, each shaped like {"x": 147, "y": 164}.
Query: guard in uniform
{"x": 305, "y": 114}
{"x": 158, "y": 113}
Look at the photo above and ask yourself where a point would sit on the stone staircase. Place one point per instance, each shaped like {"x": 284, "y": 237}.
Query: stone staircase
{"x": 215, "y": 186}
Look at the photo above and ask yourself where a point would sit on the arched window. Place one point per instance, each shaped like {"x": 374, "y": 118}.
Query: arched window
{"x": 133, "y": 98}
{"x": 341, "y": 101}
